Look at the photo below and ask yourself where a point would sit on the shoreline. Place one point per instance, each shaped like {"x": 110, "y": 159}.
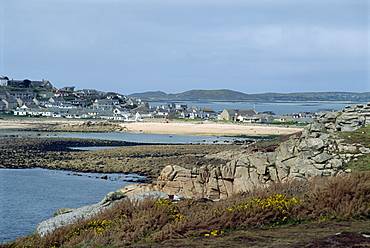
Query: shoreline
{"x": 138, "y": 158}
{"x": 203, "y": 128}
{"x": 209, "y": 129}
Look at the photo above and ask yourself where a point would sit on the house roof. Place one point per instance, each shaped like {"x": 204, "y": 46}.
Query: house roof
{"x": 40, "y": 83}
{"x": 142, "y": 108}
{"x": 241, "y": 111}
{"x": 106, "y": 101}
{"x": 57, "y": 99}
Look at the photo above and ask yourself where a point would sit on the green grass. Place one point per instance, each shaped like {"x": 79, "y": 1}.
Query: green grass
{"x": 275, "y": 123}
{"x": 287, "y": 123}
{"x": 274, "y": 140}
{"x": 262, "y": 138}
{"x": 359, "y": 136}
{"x": 12, "y": 116}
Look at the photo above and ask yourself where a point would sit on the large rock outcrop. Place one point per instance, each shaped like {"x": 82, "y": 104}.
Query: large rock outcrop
{"x": 317, "y": 152}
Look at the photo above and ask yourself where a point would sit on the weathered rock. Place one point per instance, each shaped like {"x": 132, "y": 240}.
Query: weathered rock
{"x": 364, "y": 150}
{"x": 228, "y": 170}
{"x": 71, "y": 216}
{"x": 311, "y": 144}
{"x": 154, "y": 195}
{"x": 260, "y": 161}
{"x": 336, "y": 163}
{"x": 322, "y": 158}
{"x": 62, "y": 211}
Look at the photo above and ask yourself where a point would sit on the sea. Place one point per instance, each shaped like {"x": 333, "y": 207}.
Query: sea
{"x": 279, "y": 108}
{"x": 30, "y": 196}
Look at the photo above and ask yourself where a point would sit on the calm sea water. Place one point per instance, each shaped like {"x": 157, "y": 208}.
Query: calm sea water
{"x": 280, "y": 108}
{"x": 30, "y": 196}
{"x": 146, "y": 138}
{"x": 131, "y": 137}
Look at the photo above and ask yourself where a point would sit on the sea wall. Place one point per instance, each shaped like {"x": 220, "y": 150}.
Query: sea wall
{"x": 316, "y": 152}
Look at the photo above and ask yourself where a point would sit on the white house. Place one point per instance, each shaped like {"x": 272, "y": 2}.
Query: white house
{"x": 3, "y": 81}
{"x": 77, "y": 114}
{"x": 122, "y": 114}
{"x": 141, "y": 116}
{"x": 105, "y": 104}
{"x": 23, "y": 110}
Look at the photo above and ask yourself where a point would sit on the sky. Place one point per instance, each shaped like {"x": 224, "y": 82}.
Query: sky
{"x": 131, "y": 46}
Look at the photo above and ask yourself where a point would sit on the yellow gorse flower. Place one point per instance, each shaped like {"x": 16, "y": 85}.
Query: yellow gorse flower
{"x": 97, "y": 226}
{"x": 175, "y": 215}
{"x": 214, "y": 233}
{"x": 163, "y": 202}
{"x": 281, "y": 203}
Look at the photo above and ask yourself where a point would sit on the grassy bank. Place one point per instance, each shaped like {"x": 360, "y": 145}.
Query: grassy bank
{"x": 358, "y": 137}
{"x": 338, "y": 204}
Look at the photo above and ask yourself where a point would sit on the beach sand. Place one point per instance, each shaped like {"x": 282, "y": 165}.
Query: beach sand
{"x": 24, "y": 123}
{"x": 208, "y": 129}
{"x": 204, "y": 128}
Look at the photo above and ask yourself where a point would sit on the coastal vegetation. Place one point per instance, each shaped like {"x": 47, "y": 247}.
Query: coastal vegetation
{"x": 247, "y": 219}
{"x": 276, "y": 123}
{"x": 359, "y": 136}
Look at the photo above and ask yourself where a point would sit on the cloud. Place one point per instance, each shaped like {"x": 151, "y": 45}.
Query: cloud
{"x": 177, "y": 45}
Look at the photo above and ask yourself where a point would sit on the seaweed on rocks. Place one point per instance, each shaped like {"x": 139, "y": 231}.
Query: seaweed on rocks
{"x": 130, "y": 157}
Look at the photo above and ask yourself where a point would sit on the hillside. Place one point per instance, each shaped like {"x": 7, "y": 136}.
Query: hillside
{"x": 150, "y": 95}
{"x": 230, "y": 95}
{"x": 196, "y": 95}
{"x": 315, "y": 96}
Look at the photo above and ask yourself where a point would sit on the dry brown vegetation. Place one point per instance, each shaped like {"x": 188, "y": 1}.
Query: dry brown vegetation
{"x": 156, "y": 223}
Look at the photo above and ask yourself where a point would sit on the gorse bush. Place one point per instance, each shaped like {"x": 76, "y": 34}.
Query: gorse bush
{"x": 340, "y": 198}
{"x": 129, "y": 223}
{"x": 97, "y": 226}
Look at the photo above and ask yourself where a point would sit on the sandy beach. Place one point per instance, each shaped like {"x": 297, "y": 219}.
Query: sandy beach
{"x": 23, "y": 123}
{"x": 208, "y": 129}
{"x": 204, "y": 128}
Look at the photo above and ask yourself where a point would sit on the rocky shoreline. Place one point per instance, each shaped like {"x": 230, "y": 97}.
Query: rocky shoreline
{"x": 81, "y": 126}
{"x": 144, "y": 159}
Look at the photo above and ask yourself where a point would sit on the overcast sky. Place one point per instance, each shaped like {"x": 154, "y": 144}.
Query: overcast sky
{"x": 131, "y": 46}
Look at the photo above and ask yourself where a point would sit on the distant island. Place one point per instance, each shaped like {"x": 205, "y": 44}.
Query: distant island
{"x": 230, "y": 95}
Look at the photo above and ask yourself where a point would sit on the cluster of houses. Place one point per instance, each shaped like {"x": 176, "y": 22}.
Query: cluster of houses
{"x": 40, "y": 98}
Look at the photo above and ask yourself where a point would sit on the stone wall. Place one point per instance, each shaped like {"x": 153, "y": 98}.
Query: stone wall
{"x": 317, "y": 152}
